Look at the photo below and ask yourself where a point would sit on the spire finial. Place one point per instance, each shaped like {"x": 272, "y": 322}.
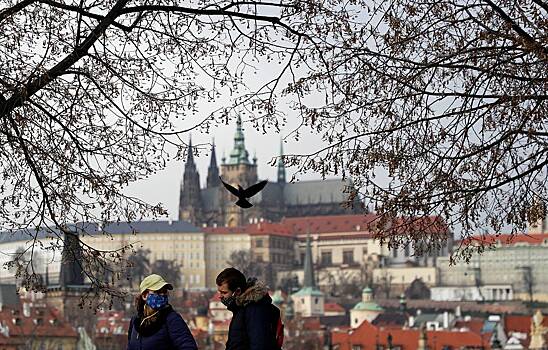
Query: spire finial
{"x": 309, "y": 280}
{"x": 281, "y": 165}
{"x": 190, "y": 154}
{"x": 213, "y": 170}
{"x": 239, "y": 154}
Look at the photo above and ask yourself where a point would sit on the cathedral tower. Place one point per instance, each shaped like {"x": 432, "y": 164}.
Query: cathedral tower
{"x": 190, "y": 199}
{"x": 213, "y": 170}
{"x": 238, "y": 170}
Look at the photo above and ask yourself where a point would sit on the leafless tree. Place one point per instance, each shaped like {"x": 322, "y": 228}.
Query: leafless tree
{"x": 441, "y": 109}
{"x": 139, "y": 266}
{"x": 447, "y": 97}
{"x": 384, "y": 283}
{"x": 97, "y": 94}
{"x": 243, "y": 261}
{"x": 170, "y": 270}
{"x": 366, "y": 270}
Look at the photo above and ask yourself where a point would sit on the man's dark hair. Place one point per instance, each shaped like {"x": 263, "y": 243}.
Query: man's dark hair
{"x": 233, "y": 277}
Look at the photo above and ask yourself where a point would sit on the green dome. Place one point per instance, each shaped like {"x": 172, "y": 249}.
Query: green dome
{"x": 367, "y": 306}
{"x": 367, "y": 290}
{"x": 239, "y": 154}
{"x": 277, "y": 298}
{"x": 309, "y": 291}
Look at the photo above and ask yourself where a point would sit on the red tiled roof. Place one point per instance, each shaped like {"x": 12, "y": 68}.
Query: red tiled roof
{"x": 330, "y": 223}
{"x": 369, "y": 336}
{"x": 268, "y": 228}
{"x": 312, "y": 324}
{"x": 410, "y": 226}
{"x": 508, "y": 239}
{"x": 474, "y": 325}
{"x": 520, "y": 323}
{"x": 112, "y": 322}
{"x": 333, "y": 307}
{"x": 517, "y": 323}
{"x": 42, "y": 321}
{"x": 351, "y": 224}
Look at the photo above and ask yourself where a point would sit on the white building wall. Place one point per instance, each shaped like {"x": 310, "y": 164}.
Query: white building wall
{"x": 484, "y": 293}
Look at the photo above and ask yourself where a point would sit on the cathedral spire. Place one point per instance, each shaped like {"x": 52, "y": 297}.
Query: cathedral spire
{"x": 239, "y": 154}
{"x": 190, "y": 154}
{"x": 190, "y": 201}
{"x": 281, "y": 165}
{"x": 310, "y": 298}
{"x": 309, "y": 280}
{"x": 213, "y": 170}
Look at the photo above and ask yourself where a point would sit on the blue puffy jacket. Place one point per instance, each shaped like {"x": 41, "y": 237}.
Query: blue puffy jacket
{"x": 169, "y": 332}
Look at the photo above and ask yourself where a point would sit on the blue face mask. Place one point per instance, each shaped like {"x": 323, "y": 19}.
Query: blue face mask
{"x": 156, "y": 301}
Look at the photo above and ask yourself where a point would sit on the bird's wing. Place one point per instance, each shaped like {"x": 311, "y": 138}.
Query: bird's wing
{"x": 231, "y": 189}
{"x": 254, "y": 189}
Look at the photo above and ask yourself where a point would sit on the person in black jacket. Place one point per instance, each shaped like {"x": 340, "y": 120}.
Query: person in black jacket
{"x": 254, "y": 317}
{"x": 157, "y": 326}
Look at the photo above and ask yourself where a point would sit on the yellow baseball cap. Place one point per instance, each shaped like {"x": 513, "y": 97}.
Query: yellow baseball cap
{"x": 154, "y": 282}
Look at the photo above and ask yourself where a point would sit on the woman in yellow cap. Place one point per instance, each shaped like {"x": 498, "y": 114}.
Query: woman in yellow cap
{"x": 157, "y": 326}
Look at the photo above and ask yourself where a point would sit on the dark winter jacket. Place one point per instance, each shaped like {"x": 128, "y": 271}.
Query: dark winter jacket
{"x": 254, "y": 321}
{"x": 168, "y": 332}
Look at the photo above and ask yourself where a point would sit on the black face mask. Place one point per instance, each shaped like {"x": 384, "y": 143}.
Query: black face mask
{"x": 229, "y": 301}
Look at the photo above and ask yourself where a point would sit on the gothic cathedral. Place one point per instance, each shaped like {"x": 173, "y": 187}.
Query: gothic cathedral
{"x": 214, "y": 206}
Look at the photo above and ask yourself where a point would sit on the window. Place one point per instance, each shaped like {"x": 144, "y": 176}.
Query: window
{"x": 394, "y": 252}
{"x": 407, "y": 251}
{"x": 357, "y": 347}
{"x": 259, "y": 243}
{"x": 326, "y": 258}
{"x": 348, "y": 256}
{"x": 259, "y": 257}
{"x": 365, "y": 250}
{"x": 315, "y": 300}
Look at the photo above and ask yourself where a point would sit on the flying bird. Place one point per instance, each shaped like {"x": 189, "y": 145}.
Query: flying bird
{"x": 244, "y": 194}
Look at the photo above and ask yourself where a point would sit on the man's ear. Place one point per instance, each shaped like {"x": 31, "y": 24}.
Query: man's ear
{"x": 238, "y": 291}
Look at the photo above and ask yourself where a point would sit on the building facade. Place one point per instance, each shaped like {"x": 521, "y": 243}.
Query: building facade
{"x": 499, "y": 292}
{"x": 520, "y": 261}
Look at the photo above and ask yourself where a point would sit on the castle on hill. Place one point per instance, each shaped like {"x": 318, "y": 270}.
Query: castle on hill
{"x": 214, "y": 206}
